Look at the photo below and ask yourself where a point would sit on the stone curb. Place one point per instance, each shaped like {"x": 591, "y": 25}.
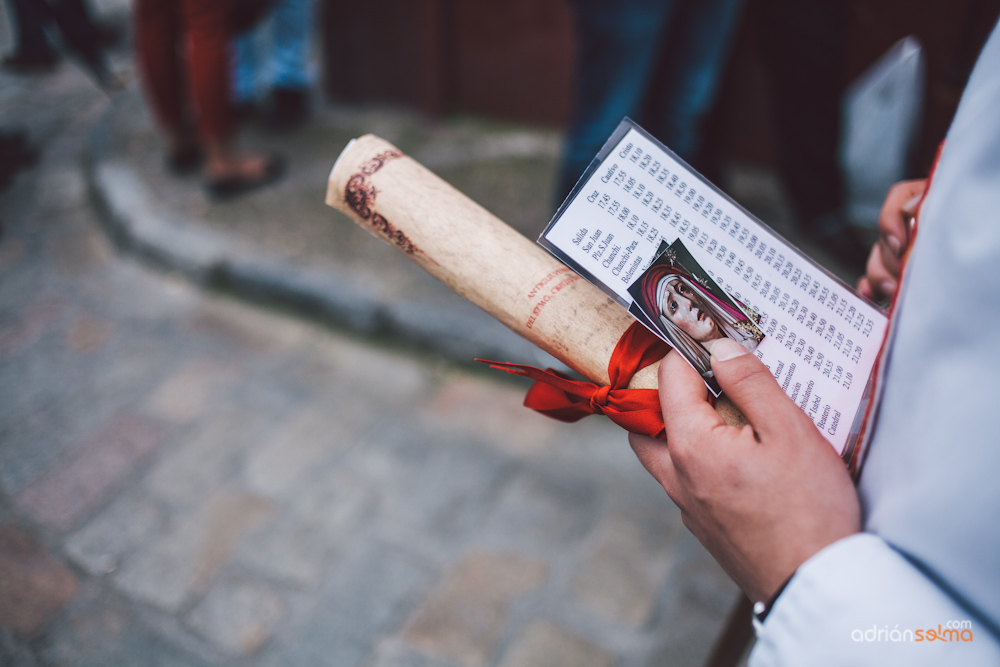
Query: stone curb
{"x": 143, "y": 227}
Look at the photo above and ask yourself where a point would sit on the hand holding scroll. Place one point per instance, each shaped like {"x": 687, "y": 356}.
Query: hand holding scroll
{"x": 762, "y": 498}
{"x": 898, "y": 209}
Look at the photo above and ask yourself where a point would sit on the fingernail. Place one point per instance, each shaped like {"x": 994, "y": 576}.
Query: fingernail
{"x": 888, "y": 287}
{"x": 725, "y": 349}
{"x": 911, "y": 205}
{"x": 894, "y": 244}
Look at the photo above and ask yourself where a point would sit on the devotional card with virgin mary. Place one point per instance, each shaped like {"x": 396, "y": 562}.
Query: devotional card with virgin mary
{"x": 679, "y": 301}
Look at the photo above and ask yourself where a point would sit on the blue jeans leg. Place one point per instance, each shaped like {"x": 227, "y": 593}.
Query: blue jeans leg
{"x": 616, "y": 53}
{"x": 245, "y": 68}
{"x": 290, "y": 22}
{"x": 692, "y": 62}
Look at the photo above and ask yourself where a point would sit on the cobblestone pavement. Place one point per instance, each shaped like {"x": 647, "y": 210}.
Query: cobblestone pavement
{"x": 186, "y": 480}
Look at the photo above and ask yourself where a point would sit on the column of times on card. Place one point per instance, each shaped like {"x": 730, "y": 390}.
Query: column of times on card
{"x": 821, "y": 338}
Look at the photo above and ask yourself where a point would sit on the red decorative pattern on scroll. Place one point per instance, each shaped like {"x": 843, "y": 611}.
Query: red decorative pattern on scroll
{"x": 359, "y": 193}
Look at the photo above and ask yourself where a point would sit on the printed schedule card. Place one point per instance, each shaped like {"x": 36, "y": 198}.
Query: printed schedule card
{"x": 693, "y": 266}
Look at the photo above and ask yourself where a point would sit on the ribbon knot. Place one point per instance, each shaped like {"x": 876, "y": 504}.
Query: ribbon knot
{"x": 561, "y": 397}
{"x": 599, "y": 399}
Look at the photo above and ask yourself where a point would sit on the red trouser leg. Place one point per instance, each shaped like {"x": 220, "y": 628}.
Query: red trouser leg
{"x": 157, "y": 37}
{"x": 207, "y": 47}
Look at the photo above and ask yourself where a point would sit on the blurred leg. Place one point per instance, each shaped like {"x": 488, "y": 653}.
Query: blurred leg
{"x": 691, "y": 64}
{"x": 288, "y": 105}
{"x": 157, "y": 42}
{"x": 80, "y": 33}
{"x": 804, "y": 45}
{"x": 206, "y": 23}
{"x": 616, "y": 49}
{"x": 32, "y": 43}
{"x": 227, "y": 171}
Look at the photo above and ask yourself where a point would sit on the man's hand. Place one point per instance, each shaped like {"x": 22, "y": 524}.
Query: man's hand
{"x": 762, "y": 499}
{"x": 894, "y": 235}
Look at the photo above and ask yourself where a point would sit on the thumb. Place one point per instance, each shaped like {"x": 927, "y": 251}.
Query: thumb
{"x": 750, "y": 386}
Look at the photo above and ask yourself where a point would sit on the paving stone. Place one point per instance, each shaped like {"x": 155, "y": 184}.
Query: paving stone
{"x": 117, "y": 531}
{"x": 241, "y": 327}
{"x": 34, "y": 586}
{"x": 181, "y": 561}
{"x": 392, "y": 653}
{"x": 538, "y": 511}
{"x": 304, "y": 442}
{"x": 65, "y": 187}
{"x": 12, "y": 254}
{"x": 310, "y": 651}
{"x": 623, "y": 569}
{"x": 238, "y": 614}
{"x": 75, "y": 253}
{"x": 371, "y": 593}
{"x": 308, "y": 370}
{"x": 430, "y": 490}
{"x": 364, "y": 600}
{"x": 89, "y": 333}
{"x": 33, "y": 321}
{"x": 206, "y": 456}
{"x": 76, "y": 487}
{"x": 465, "y": 615}
{"x": 696, "y": 602}
{"x": 15, "y": 651}
{"x": 191, "y": 390}
{"x": 107, "y": 632}
{"x": 130, "y": 366}
{"x": 488, "y": 411}
{"x": 53, "y": 397}
{"x": 320, "y": 521}
{"x": 544, "y": 643}
{"x": 357, "y": 365}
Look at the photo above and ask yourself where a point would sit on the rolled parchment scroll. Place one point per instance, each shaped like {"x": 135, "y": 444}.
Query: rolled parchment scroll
{"x": 484, "y": 260}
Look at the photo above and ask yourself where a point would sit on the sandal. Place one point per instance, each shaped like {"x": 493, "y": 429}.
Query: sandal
{"x": 228, "y": 187}
{"x": 185, "y": 160}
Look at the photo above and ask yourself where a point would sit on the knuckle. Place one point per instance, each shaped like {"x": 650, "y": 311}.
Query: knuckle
{"x": 681, "y": 451}
{"x": 888, "y": 259}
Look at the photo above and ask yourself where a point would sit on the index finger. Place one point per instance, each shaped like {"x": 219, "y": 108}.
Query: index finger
{"x": 899, "y": 206}
{"x": 654, "y": 455}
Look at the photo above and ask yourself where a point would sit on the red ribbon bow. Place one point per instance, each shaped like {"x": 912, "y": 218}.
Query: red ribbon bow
{"x": 636, "y": 410}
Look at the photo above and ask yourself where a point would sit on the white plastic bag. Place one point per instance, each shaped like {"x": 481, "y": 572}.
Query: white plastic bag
{"x": 881, "y": 118}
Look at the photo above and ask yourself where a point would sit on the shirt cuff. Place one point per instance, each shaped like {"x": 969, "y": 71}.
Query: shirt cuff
{"x": 860, "y": 602}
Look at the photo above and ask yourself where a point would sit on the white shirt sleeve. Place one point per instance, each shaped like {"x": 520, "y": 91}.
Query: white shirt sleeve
{"x": 859, "y": 602}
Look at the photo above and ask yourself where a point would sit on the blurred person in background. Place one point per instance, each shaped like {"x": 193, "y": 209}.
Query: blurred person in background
{"x": 656, "y": 61}
{"x": 15, "y": 154}
{"x": 804, "y": 45}
{"x": 279, "y": 63}
{"x": 183, "y": 54}
{"x": 36, "y": 54}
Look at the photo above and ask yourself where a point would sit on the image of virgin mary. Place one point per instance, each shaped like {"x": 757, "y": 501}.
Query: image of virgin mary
{"x": 688, "y": 315}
